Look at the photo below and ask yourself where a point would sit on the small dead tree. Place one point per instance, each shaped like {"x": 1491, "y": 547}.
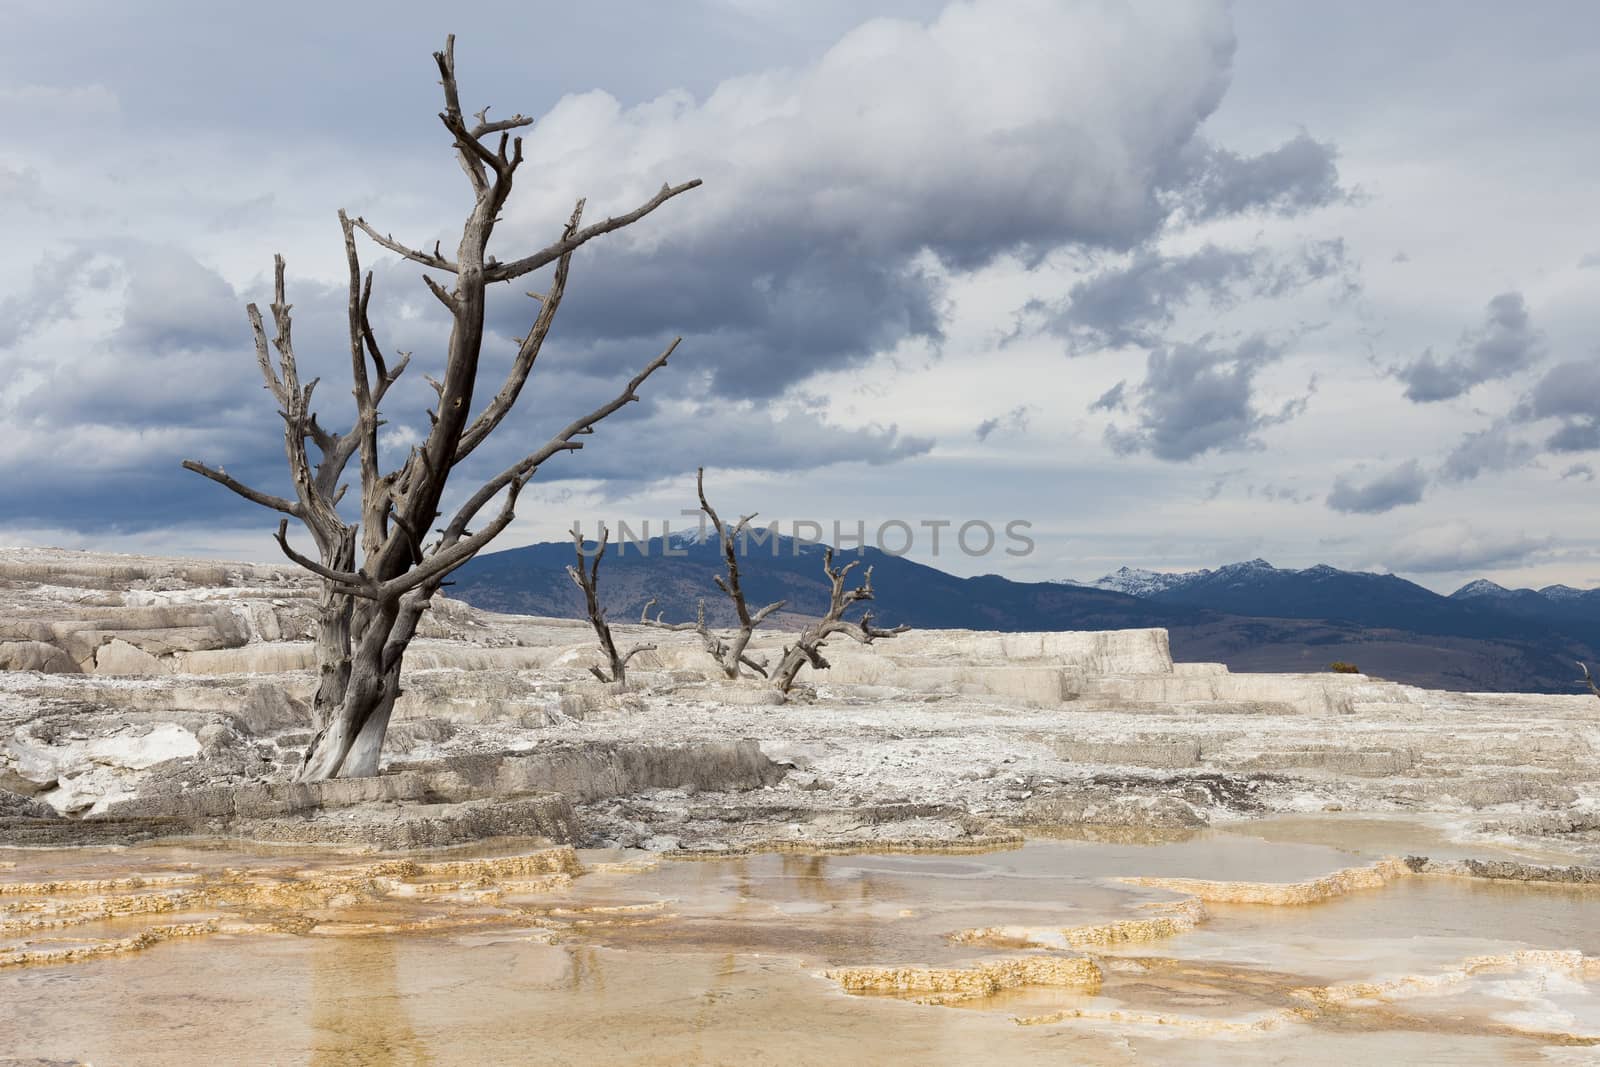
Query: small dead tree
{"x": 368, "y": 614}
{"x": 808, "y": 646}
{"x": 588, "y": 579}
{"x": 729, "y": 652}
{"x": 1589, "y": 678}
{"x": 716, "y": 646}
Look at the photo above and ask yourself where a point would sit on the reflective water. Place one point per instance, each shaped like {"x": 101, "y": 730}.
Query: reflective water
{"x": 316, "y": 957}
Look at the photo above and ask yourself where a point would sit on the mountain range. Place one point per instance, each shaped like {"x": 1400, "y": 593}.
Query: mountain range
{"x": 1251, "y": 615}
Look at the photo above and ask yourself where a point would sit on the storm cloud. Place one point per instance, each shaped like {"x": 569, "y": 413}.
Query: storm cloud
{"x": 1199, "y": 398}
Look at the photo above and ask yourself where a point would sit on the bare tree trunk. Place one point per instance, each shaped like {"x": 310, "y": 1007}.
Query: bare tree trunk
{"x": 333, "y": 639}
{"x": 589, "y": 581}
{"x": 368, "y": 615}
{"x": 808, "y": 646}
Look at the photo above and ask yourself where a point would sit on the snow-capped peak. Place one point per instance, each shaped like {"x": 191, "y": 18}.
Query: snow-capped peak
{"x": 1135, "y": 581}
{"x": 1480, "y": 588}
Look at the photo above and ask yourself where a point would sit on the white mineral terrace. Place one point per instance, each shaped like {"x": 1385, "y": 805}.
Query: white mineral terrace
{"x": 955, "y": 847}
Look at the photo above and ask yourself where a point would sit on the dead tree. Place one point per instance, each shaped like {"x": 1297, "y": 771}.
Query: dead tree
{"x": 588, "y": 579}
{"x": 729, "y": 652}
{"x": 808, "y": 646}
{"x": 716, "y": 646}
{"x": 369, "y": 613}
{"x": 1589, "y": 678}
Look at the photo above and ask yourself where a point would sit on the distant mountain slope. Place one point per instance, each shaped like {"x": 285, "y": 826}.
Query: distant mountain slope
{"x": 1558, "y": 604}
{"x": 1480, "y": 609}
{"x": 1251, "y": 616}
{"x": 533, "y": 581}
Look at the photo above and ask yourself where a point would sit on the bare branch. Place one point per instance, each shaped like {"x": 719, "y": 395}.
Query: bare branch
{"x": 527, "y": 354}
{"x": 433, "y": 260}
{"x": 660, "y": 624}
{"x": 255, "y": 496}
{"x": 439, "y": 291}
{"x": 503, "y": 272}
{"x": 451, "y": 117}
{"x": 520, "y": 472}
{"x": 588, "y": 580}
{"x": 263, "y": 354}
{"x": 484, "y": 128}
{"x": 347, "y": 581}
{"x": 731, "y": 654}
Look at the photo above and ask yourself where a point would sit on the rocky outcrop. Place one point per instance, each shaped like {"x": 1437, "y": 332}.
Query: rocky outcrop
{"x": 36, "y": 656}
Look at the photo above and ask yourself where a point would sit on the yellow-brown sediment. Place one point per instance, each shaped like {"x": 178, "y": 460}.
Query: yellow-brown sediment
{"x": 944, "y": 985}
{"x": 1256, "y": 1024}
{"x": 1167, "y": 920}
{"x": 95, "y": 885}
{"x": 10, "y": 957}
{"x": 1313, "y": 891}
{"x": 966, "y": 846}
{"x": 279, "y": 898}
{"x": 1309, "y": 1003}
{"x": 1571, "y": 964}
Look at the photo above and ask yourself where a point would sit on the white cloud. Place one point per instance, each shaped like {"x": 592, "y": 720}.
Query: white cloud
{"x": 1459, "y": 546}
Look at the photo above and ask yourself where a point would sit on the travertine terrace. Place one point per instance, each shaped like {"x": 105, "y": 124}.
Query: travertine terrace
{"x": 155, "y": 696}
{"x": 1064, "y": 835}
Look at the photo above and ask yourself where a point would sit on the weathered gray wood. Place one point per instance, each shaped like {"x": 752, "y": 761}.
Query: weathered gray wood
{"x": 729, "y": 652}
{"x": 368, "y": 614}
{"x": 808, "y": 646}
{"x": 588, "y": 580}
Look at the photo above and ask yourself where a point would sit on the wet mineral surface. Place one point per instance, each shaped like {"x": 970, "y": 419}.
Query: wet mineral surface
{"x": 1289, "y": 940}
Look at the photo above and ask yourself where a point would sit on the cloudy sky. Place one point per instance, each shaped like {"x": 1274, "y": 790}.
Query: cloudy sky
{"x": 1179, "y": 284}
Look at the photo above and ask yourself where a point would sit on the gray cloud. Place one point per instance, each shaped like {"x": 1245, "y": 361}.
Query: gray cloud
{"x": 52, "y": 289}
{"x": 1197, "y": 399}
{"x": 843, "y": 193}
{"x": 1113, "y": 399}
{"x": 1283, "y": 493}
{"x": 1297, "y": 176}
{"x": 1016, "y": 419}
{"x": 1570, "y": 392}
{"x": 672, "y": 437}
{"x": 1576, "y": 435}
{"x": 1458, "y": 546}
{"x": 1567, "y": 389}
{"x": 1396, "y": 487}
{"x": 760, "y": 312}
{"x": 1505, "y": 344}
{"x": 808, "y": 248}
{"x": 1491, "y": 451}
{"x": 1129, "y": 305}
{"x": 1579, "y": 470}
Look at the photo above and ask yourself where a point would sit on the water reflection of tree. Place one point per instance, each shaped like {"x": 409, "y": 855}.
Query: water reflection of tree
{"x": 359, "y": 1014}
{"x": 818, "y": 879}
